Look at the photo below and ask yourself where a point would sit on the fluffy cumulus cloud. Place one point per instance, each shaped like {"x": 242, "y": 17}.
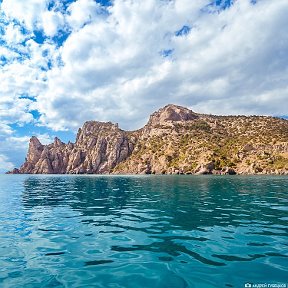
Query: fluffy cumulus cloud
{"x": 138, "y": 56}
{"x": 5, "y": 164}
{"x": 13, "y": 148}
{"x": 64, "y": 62}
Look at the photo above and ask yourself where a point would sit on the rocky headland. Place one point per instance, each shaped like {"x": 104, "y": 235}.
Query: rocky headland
{"x": 175, "y": 140}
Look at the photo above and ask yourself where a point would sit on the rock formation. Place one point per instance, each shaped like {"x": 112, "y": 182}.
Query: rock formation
{"x": 99, "y": 147}
{"x": 174, "y": 141}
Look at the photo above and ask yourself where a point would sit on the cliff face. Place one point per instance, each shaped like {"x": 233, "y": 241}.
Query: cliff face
{"x": 99, "y": 147}
{"x": 174, "y": 141}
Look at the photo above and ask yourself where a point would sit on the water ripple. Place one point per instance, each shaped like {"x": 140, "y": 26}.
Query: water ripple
{"x": 158, "y": 231}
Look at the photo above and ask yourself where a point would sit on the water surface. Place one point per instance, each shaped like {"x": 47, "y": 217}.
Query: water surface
{"x": 143, "y": 231}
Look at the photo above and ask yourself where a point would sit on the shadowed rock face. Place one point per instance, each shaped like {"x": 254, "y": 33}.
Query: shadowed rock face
{"x": 174, "y": 141}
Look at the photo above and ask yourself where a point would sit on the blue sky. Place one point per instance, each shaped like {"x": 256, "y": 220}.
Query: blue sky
{"x": 65, "y": 62}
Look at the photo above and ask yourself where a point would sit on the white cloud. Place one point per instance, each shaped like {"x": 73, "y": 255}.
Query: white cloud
{"x": 23, "y": 141}
{"x": 11, "y": 150}
{"x": 52, "y": 22}
{"x": 17, "y": 80}
{"x": 7, "y": 55}
{"x": 26, "y": 12}
{"x": 82, "y": 12}
{"x": 45, "y": 138}
{"x": 13, "y": 34}
{"x": 14, "y": 148}
{"x": 113, "y": 66}
{"x": 5, "y": 164}
{"x": 5, "y": 130}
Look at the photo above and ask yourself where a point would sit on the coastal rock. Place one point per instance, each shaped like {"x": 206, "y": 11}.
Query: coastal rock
{"x": 228, "y": 171}
{"x": 204, "y": 169}
{"x": 99, "y": 147}
{"x": 35, "y": 150}
{"x": 14, "y": 171}
{"x": 175, "y": 140}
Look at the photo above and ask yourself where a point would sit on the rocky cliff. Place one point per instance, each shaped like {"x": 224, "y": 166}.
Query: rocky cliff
{"x": 174, "y": 141}
{"x": 99, "y": 147}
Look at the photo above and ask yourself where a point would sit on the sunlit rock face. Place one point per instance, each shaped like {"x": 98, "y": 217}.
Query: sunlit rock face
{"x": 99, "y": 147}
{"x": 175, "y": 140}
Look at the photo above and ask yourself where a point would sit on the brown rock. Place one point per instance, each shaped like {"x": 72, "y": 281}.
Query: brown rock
{"x": 99, "y": 147}
{"x": 171, "y": 113}
{"x": 14, "y": 171}
{"x": 35, "y": 150}
{"x": 174, "y": 141}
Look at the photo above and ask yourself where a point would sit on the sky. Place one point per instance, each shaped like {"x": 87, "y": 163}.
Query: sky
{"x": 64, "y": 62}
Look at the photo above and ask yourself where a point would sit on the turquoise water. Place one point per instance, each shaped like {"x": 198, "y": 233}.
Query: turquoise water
{"x": 143, "y": 231}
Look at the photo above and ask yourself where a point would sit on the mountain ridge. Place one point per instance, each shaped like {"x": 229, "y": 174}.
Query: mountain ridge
{"x": 175, "y": 140}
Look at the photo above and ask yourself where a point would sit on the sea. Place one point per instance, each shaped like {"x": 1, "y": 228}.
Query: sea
{"x": 143, "y": 231}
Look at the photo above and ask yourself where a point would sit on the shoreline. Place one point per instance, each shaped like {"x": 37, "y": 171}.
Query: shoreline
{"x": 145, "y": 175}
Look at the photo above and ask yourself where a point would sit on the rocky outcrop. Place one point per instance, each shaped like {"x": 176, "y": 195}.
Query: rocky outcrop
{"x": 175, "y": 140}
{"x": 169, "y": 114}
{"x": 99, "y": 147}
